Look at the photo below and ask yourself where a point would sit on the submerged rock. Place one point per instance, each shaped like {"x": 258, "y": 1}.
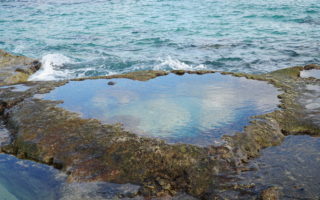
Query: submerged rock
{"x": 89, "y": 150}
{"x": 271, "y": 193}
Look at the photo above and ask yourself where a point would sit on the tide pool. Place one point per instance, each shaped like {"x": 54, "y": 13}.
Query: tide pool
{"x": 196, "y": 109}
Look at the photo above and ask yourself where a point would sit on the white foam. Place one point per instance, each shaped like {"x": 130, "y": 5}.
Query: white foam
{"x": 51, "y": 68}
{"x": 174, "y": 64}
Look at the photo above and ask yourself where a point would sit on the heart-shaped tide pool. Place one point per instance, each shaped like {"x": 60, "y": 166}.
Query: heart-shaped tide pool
{"x": 195, "y": 109}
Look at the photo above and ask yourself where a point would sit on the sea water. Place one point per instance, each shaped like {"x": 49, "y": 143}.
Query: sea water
{"x": 77, "y": 38}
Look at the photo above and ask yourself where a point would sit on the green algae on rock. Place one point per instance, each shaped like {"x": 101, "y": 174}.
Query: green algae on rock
{"x": 91, "y": 151}
{"x": 15, "y": 69}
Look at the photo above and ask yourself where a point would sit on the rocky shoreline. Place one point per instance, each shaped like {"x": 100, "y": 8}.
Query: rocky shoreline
{"x": 15, "y": 69}
{"x": 88, "y": 150}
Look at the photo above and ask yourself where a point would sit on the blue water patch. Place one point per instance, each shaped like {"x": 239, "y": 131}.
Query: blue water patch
{"x": 104, "y": 37}
{"x": 315, "y": 73}
{"x": 26, "y": 180}
{"x": 196, "y": 109}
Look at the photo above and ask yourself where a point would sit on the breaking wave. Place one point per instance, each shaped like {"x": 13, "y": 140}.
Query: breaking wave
{"x": 60, "y": 67}
{"x": 52, "y": 68}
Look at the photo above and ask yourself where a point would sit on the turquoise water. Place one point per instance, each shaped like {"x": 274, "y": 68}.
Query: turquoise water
{"x": 97, "y": 37}
{"x": 196, "y": 109}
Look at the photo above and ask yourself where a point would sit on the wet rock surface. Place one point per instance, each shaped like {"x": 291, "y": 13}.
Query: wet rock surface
{"x": 24, "y": 179}
{"x": 15, "y": 69}
{"x": 5, "y": 136}
{"x": 289, "y": 171}
{"x": 270, "y": 193}
{"x": 88, "y": 150}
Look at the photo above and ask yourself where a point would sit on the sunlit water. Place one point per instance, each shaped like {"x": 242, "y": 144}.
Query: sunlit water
{"x": 97, "y": 37}
{"x": 195, "y": 109}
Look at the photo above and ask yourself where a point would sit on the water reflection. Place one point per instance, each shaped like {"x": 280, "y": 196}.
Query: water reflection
{"x": 26, "y": 180}
{"x": 191, "y": 108}
{"x": 16, "y": 88}
{"x": 310, "y": 99}
{"x": 315, "y": 73}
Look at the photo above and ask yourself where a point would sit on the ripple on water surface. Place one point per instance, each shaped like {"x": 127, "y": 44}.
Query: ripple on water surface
{"x": 196, "y": 109}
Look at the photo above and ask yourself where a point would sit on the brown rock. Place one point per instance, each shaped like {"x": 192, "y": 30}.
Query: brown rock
{"x": 271, "y": 193}
{"x": 15, "y": 69}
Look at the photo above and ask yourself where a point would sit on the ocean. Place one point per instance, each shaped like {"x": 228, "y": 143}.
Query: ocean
{"x": 82, "y": 38}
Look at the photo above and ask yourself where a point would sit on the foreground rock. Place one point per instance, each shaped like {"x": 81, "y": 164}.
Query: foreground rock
{"x": 15, "y": 69}
{"x": 91, "y": 151}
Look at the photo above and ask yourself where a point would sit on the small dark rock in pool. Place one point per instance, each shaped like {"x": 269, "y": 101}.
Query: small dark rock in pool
{"x": 111, "y": 83}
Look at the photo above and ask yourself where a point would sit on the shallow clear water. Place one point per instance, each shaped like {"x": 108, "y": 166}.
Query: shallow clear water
{"x": 26, "y": 180}
{"x": 195, "y": 109}
{"x": 315, "y": 73}
{"x": 310, "y": 100}
{"x": 293, "y": 166}
{"x": 16, "y": 88}
{"x": 100, "y": 37}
